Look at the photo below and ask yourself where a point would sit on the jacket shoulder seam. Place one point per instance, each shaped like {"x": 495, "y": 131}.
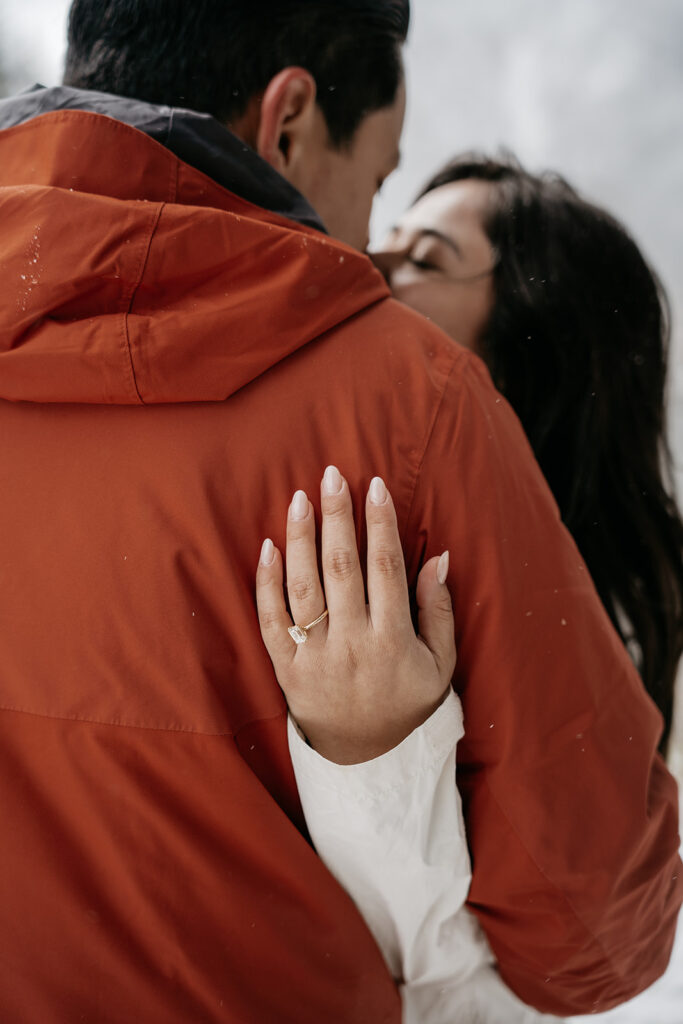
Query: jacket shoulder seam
{"x": 459, "y": 357}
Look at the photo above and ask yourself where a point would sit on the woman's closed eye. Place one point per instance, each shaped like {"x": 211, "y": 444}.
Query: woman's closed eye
{"x": 422, "y": 264}
{"x": 425, "y": 260}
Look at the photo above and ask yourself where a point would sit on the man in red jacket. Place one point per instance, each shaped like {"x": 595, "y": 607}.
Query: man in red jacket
{"x": 181, "y": 345}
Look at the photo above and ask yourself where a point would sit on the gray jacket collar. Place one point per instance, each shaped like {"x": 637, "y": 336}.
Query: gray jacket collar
{"x": 197, "y": 139}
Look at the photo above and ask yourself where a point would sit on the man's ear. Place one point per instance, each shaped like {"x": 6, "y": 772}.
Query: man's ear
{"x": 288, "y": 123}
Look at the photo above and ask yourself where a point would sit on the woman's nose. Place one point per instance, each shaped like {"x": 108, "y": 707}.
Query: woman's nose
{"x": 386, "y": 261}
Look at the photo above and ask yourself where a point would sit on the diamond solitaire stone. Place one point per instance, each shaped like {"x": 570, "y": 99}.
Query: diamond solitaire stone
{"x": 298, "y": 635}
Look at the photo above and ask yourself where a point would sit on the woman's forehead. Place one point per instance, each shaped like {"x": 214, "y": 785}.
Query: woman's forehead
{"x": 457, "y": 204}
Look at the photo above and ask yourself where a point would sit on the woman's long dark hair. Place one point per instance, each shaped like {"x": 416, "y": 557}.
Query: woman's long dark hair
{"x": 578, "y": 342}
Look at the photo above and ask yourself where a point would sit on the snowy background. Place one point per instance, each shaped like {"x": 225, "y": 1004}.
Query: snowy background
{"x": 593, "y": 88}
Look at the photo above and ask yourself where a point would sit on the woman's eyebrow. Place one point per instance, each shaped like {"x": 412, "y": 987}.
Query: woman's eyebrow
{"x": 429, "y": 233}
{"x": 433, "y": 233}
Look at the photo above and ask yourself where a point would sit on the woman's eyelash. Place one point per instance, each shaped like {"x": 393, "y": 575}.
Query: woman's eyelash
{"x": 422, "y": 264}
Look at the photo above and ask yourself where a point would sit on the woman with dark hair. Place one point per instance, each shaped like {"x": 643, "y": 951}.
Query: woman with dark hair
{"x": 557, "y": 299}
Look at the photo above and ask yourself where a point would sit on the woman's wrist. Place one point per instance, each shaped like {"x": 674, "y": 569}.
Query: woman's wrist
{"x": 348, "y": 747}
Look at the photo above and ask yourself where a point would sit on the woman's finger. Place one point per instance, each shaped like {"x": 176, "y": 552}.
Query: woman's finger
{"x": 272, "y": 611}
{"x": 304, "y": 589}
{"x": 435, "y": 614}
{"x": 387, "y": 585}
{"x": 343, "y": 579}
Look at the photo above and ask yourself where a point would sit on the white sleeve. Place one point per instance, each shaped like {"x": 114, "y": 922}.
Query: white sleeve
{"x": 391, "y": 831}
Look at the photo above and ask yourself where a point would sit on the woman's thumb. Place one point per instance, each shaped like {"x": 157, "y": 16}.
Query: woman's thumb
{"x": 435, "y": 614}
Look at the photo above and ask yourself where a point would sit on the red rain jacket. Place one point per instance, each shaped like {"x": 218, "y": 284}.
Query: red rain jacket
{"x": 174, "y": 362}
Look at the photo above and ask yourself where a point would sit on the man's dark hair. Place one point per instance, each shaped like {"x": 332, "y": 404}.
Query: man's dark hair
{"x": 215, "y": 55}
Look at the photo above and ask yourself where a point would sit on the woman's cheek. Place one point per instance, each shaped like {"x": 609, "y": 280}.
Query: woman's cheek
{"x": 437, "y": 301}
{"x": 418, "y": 292}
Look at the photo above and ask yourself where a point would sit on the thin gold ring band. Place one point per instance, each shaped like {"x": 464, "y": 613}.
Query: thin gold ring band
{"x": 299, "y": 634}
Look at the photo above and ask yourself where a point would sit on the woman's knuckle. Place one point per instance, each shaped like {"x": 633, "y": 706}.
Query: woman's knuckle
{"x": 298, "y": 535}
{"x": 351, "y": 657}
{"x": 340, "y": 564}
{"x": 301, "y": 588}
{"x": 270, "y": 620}
{"x": 335, "y": 508}
{"x": 388, "y": 564}
{"x": 382, "y": 518}
{"x": 393, "y": 646}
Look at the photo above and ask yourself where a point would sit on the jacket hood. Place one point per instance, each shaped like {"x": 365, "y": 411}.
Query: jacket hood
{"x": 149, "y": 256}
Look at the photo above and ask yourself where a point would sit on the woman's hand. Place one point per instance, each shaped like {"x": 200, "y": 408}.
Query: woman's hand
{"x": 363, "y": 680}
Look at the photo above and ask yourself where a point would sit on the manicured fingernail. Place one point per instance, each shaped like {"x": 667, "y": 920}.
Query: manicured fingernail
{"x": 378, "y": 491}
{"x": 299, "y": 506}
{"x": 442, "y": 568}
{"x": 267, "y": 552}
{"x": 332, "y": 481}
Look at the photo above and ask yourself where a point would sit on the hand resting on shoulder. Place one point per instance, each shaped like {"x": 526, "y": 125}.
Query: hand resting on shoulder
{"x": 363, "y": 680}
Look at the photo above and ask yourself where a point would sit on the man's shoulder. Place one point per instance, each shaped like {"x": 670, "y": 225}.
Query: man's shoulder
{"x": 387, "y": 338}
{"x": 397, "y": 371}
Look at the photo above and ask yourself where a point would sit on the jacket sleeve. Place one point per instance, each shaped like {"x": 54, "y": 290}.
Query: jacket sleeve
{"x": 571, "y": 814}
